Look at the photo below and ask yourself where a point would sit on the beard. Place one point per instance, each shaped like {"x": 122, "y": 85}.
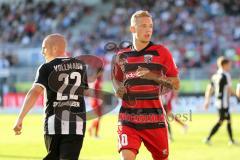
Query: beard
{"x": 144, "y": 41}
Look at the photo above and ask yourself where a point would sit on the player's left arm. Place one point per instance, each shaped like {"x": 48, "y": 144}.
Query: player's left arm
{"x": 208, "y": 94}
{"x": 229, "y": 86}
{"x": 117, "y": 78}
{"x": 231, "y": 91}
{"x": 28, "y": 104}
{"x": 238, "y": 90}
{"x": 173, "y": 81}
{"x": 147, "y": 74}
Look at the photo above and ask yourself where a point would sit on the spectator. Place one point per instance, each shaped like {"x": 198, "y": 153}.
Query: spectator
{"x": 193, "y": 30}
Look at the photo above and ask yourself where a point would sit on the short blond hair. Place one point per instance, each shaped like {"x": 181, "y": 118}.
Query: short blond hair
{"x": 138, "y": 14}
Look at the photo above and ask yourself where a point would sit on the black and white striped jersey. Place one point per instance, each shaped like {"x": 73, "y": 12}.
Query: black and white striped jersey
{"x": 221, "y": 81}
{"x": 63, "y": 80}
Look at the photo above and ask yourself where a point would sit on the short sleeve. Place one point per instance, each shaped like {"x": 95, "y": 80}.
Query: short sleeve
{"x": 172, "y": 70}
{"x": 41, "y": 76}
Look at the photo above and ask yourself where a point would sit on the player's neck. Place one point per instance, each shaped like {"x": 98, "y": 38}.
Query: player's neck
{"x": 50, "y": 58}
{"x": 138, "y": 46}
{"x": 222, "y": 70}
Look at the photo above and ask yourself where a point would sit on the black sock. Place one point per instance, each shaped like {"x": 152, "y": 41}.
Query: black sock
{"x": 214, "y": 130}
{"x": 229, "y": 128}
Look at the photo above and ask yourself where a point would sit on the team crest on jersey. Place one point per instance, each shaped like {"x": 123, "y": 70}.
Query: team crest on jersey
{"x": 148, "y": 58}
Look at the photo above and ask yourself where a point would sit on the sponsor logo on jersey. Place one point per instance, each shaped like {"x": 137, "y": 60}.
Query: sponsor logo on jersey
{"x": 164, "y": 152}
{"x": 148, "y": 58}
{"x": 131, "y": 75}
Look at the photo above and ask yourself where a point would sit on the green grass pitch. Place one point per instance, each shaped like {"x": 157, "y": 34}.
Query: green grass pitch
{"x": 187, "y": 86}
{"x": 30, "y": 144}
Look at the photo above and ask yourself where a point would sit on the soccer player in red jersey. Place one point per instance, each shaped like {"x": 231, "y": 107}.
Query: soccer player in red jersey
{"x": 141, "y": 73}
{"x": 167, "y": 103}
{"x": 96, "y": 104}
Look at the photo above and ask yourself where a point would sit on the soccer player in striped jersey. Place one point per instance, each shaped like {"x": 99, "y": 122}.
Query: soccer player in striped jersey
{"x": 96, "y": 104}
{"x": 167, "y": 104}
{"x": 140, "y": 72}
{"x": 221, "y": 86}
{"x": 63, "y": 81}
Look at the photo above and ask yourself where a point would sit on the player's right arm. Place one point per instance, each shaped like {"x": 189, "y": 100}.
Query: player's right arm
{"x": 29, "y": 102}
{"x": 41, "y": 81}
{"x": 208, "y": 94}
{"x": 117, "y": 79}
{"x": 120, "y": 90}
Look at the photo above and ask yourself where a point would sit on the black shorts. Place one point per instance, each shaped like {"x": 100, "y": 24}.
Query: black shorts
{"x": 224, "y": 114}
{"x": 63, "y": 147}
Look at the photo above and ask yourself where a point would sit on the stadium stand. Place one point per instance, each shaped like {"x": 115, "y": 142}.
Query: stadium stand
{"x": 193, "y": 30}
{"x": 196, "y": 32}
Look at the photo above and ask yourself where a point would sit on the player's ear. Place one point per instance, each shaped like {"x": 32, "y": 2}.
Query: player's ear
{"x": 55, "y": 49}
{"x": 132, "y": 29}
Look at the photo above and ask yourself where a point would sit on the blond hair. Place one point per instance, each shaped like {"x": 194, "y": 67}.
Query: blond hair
{"x": 138, "y": 14}
{"x": 221, "y": 61}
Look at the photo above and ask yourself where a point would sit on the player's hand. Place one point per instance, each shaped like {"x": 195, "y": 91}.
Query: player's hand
{"x": 142, "y": 71}
{"x": 121, "y": 91}
{"x": 145, "y": 73}
{"x": 206, "y": 105}
{"x": 18, "y": 127}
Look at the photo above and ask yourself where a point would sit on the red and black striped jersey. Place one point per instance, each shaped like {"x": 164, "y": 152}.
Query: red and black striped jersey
{"x": 142, "y": 95}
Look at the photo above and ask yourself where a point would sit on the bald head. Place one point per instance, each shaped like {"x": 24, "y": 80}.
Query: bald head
{"x": 54, "y": 45}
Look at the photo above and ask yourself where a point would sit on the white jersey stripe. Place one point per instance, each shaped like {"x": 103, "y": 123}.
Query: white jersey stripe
{"x": 65, "y": 122}
{"x": 51, "y": 126}
{"x": 79, "y": 127}
{"x": 225, "y": 97}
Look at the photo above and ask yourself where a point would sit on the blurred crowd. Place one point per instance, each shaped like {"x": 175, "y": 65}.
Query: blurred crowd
{"x": 7, "y": 60}
{"x": 195, "y": 31}
{"x": 28, "y": 22}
